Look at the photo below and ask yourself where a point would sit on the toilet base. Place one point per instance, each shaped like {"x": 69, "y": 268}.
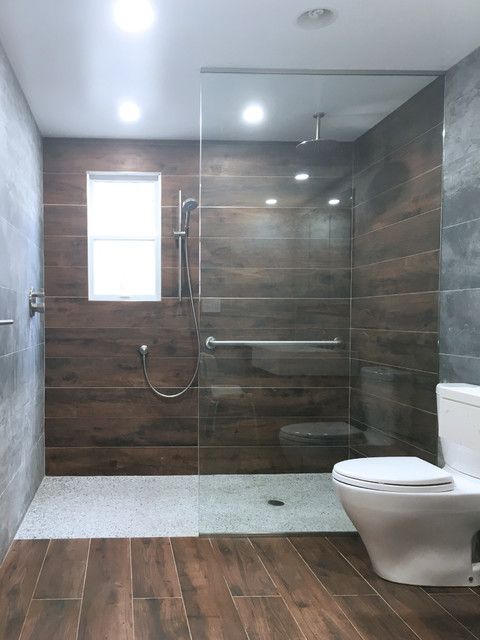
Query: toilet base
{"x": 419, "y": 539}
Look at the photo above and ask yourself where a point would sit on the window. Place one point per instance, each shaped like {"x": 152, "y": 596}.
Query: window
{"x": 124, "y": 236}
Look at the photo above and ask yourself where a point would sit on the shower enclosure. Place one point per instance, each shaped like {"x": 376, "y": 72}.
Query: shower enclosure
{"x": 278, "y": 308}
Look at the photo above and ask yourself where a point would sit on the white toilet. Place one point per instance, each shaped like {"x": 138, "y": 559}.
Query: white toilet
{"x": 421, "y": 523}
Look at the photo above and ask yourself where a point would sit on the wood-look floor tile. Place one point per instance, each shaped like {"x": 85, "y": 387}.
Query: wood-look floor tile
{"x": 153, "y": 569}
{"x": 242, "y": 568}
{"x": 316, "y": 612}
{"x": 209, "y": 605}
{"x": 18, "y": 576}
{"x": 333, "y": 571}
{"x": 374, "y": 619}
{"x": 464, "y": 607}
{"x": 52, "y": 620}
{"x": 160, "y": 619}
{"x": 418, "y": 610}
{"x": 107, "y": 601}
{"x": 268, "y": 618}
{"x": 63, "y": 571}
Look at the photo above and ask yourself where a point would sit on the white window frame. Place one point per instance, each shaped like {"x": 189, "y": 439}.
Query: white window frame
{"x": 121, "y": 176}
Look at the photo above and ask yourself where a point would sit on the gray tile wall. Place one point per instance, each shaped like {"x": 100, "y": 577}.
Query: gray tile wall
{"x": 460, "y": 264}
{"x": 21, "y": 344}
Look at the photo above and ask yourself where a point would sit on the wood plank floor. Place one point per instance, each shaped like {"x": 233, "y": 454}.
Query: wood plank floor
{"x": 258, "y": 588}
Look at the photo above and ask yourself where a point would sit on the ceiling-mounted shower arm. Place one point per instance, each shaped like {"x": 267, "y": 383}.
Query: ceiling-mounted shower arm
{"x": 318, "y": 117}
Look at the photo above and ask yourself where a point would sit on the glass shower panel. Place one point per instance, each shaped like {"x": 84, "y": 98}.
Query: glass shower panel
{"x": 276, "y": 269}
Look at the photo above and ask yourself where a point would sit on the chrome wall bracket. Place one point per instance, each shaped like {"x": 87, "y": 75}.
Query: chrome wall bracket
{"x": 36, "y": 301}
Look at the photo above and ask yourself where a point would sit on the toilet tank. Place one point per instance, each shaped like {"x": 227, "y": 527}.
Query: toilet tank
{"x": 459, "y": 426}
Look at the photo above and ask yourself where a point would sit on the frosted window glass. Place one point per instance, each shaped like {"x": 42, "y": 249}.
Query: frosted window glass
{"x": 123, "y": 207}
{"x": 124, "y": 268}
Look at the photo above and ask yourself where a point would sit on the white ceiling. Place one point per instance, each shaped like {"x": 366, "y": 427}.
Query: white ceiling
{"x": 75, "y": 65}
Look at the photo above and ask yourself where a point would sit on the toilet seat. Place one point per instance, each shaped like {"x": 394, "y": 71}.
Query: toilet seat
{"x": 405, "y": 474}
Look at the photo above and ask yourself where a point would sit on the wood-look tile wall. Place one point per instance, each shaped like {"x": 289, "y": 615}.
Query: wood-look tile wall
{"x": 100, "y": 418}
{"x": 273, "y": 273}
{"x": 396, "y": 233}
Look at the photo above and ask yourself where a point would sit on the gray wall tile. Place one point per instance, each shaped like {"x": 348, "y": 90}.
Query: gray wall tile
{"x": 21, "y": 344}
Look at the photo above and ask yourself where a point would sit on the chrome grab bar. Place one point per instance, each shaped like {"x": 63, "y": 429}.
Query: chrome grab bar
{"x": 212, "y": 342}
{"x": 6, "y": 321}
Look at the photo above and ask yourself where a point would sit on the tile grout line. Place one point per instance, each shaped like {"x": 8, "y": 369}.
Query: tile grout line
{"x": 276, "y": 587}
{"x": 34, "y": 589}
{"x": 392, "y": 224}
{"x": 317, "y": 579}
{"x": 452, "y": 616}
{"x": 180, "y": 588}
{"x": 377, "y": 593}
{"x": 131, "y": 586}
{"x": 83, "y": 588}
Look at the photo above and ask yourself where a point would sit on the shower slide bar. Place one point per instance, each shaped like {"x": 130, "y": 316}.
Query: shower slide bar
{"x": 6, "y": 322}
{"x": 212, "y": 342}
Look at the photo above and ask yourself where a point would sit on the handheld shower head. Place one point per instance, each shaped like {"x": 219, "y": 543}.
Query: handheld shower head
{"x": 188, "y": 205}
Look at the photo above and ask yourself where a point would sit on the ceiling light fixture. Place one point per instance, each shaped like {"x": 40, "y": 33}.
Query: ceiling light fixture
{"x": 271, "y": 201}
{"x": 333, "y": 202}
{"x": 253, "y": 114}
{"x": 302, "y": 176}
{"x": 316, "y": 18}
{"x": 129, "y": 111}
{"x": 133, "y": 16}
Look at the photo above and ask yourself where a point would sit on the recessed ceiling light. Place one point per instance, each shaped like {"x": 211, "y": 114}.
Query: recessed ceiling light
{"x": 129, "y": 111}
{"x": 271, "y": 201}
{"x": 133, "y": 16}
{"x": 316, "y": 18}
{"x": 253, "y": 114}
{"x": 333, "y": 202}
{"x": 302, "y": 176}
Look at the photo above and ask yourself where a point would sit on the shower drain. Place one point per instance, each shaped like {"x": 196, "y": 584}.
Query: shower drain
{"x": 276, "y": 503}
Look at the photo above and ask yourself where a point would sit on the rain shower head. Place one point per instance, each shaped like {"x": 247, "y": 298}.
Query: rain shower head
{"x": 317, "y": 144}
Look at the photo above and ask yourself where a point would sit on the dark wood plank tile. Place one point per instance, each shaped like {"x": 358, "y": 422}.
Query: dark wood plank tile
{"x": 210, "y": 609}
{"x": 75, "y": 155}
{"x": 414, "y": 388}
{"x": 65, "y": 220}
{"x": 66, "y": 281}
{"x": 418, "y": 114}
{"x": 122, "y": 371}
{"x": 314, "y": 610}
{"x": 246, "y": 222}
{"x": 416, "y": 235}
{"x": 463, "y": 607}
{"x": 234, "y": 158}
{"x": 120, "y": 432}
{"x": 276, "y": 283}
{"x": 270, "y": 459}
{"x": 407, "y": 200}
{"x": 18, "y": 576}
{"x": 276, "y": 402}
{"x": 113, "y": 403}
{"x": 107, "y": 601}
{"x": 328, "y": 252}
{"x": 417, "y": 609}
{"x": 333, "y": 571}
{"x": 112, "y": 461}
{"x": 406, "y": 349}
{"x": 153, "y": 569}
{"x": 268, "y": 618}
{"x": 52, "y": 620}
{"x": 65, "y": 188}
{"x": 408, "y": 312}
{"x": 63, "y": 571}
{"x": 65, "y": 251}
{"x": 410, "y": 424}
{"x": 241, "y": 566}
{"x": 374, "y": 619}
{"x": 93, "y": 342}
{"x": 160, "y": 620}
{"x": 403, "y": 275}
{"x": 252, "y": 431}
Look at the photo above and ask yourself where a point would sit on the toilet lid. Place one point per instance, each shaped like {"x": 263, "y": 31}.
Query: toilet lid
{"x": 401, "y": 473}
